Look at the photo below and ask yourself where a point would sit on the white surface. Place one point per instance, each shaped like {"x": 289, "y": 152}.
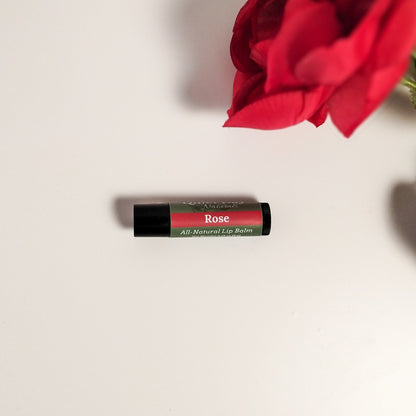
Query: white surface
{"x": 102, "y": 100}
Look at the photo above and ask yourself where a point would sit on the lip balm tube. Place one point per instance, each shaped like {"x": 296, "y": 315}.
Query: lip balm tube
{"x": 202, "y": 219}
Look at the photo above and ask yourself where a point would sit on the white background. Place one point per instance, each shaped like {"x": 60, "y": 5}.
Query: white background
{"x": 108, "y": 102}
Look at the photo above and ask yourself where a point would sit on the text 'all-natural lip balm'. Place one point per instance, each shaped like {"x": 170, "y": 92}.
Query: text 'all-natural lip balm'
{"x": 202, "y": 219}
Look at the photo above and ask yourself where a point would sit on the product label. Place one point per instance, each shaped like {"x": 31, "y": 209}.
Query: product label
{"x": 225, "y": 219}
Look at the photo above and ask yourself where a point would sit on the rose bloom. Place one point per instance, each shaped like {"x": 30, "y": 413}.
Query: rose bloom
{"x": 301, "y": 60}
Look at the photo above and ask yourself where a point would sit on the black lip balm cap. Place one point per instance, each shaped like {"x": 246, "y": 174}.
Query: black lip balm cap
{"x": 267, "y": 218}
{"x": 152, "y": 220}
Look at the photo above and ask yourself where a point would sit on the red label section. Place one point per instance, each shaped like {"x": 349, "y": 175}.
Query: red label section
{"x": 216, "y": 219}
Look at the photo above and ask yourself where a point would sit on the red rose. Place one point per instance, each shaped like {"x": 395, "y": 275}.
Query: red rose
{"x": 299, "y": 60}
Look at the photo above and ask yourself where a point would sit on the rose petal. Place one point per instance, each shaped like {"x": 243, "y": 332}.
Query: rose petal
{"x": 246, "y": 88}
{"x": 320, "y": 116}
{"x": 279, "y": 110}
{"x": 336, "y": 63}
{"x": 260, "y": 52}
{"x": 355, "y": 100}
{"x": 398, "y": 36}
{"x": 307, "y": 29}
{"x": 329, "y": 65}
{"x": 245, "y": 14}
{"x": 352, "y": 11}
{"x": 242, "y": 34}
{"x": 266, "y": 21}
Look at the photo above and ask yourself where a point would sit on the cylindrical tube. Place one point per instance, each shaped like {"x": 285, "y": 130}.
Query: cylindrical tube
{"x": 202, "y": 219}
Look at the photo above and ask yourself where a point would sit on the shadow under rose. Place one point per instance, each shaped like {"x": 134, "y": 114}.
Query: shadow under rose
{"x": 204, "y": 28}
{"x": 403, "y": 212}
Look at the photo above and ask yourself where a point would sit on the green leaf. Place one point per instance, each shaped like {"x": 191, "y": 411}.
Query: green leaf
{"x": 413, "y": 98}
{"x": 411, "y": 84}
